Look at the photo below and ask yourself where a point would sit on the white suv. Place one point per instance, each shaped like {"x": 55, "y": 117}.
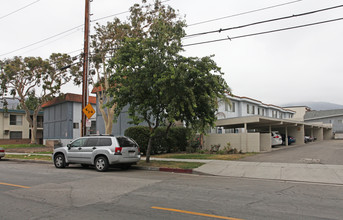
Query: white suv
{"x": 100, "y": 151}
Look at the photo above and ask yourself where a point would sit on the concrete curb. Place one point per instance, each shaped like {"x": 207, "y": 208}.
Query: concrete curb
{"x": 28, "y": 161}
{"x": 161, "y": 169}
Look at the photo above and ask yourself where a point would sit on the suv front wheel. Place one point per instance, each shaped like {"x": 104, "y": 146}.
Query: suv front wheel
{"x": 60, "y": 161}
{"x": 101, "y": 164}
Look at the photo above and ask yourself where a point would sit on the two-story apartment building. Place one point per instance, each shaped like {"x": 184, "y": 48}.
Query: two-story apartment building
{"x": 14, "y": 128}
{"x": 244, "y": 106}
{"x": 247, "y": 124}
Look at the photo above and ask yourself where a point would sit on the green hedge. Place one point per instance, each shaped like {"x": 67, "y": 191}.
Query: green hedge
{"x": 177, "y": 139}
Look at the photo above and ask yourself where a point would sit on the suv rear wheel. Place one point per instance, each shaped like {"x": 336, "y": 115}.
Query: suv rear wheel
{"x": 101, "y": 164}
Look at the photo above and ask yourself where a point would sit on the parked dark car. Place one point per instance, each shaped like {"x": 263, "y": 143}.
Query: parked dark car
{"x": 291, "y": 140}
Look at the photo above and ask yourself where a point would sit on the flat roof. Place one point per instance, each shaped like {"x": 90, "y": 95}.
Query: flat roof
{"x": 254, "y": 122}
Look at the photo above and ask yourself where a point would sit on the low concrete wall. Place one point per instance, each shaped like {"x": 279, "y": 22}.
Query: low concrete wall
{"x": 57, "y": 142}
{"x": 245, "y": 142}
{"x": 253, "y": 142}
{"x": 265, "y": 142}
{"x": 14, "y": 141}
{"x": 328, "y": 134}
{"x": 339, "y": 136}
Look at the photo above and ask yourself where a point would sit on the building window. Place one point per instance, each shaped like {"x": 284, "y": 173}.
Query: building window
{"x": 230, "y": 109}
{"x": 274, "y": 114}
{"x": 263, "y": 113}
{"x": 250, "y": 109}
{"x": 16, "y": 135}
{"x": 233, "y": 107}
{"x": 340, "y": 121}
{"x": 92, "y": 129}
{"x": 76, "y": 125}
{"x": 16, "y": 120}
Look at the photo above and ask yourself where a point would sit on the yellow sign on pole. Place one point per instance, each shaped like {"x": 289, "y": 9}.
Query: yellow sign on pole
{"x": 89, "y": 111}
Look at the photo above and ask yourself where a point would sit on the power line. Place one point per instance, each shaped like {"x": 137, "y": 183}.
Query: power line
{"x": 101, "y": 18}
{"x": 45, "y": 39}
{"x": 244, "y": 13}
{"x": 48, "y": 38}
{"x": 265, "y": 32}
{"x": 33, "y": 49}
{"x": 4, "y": 16}
{"x": 265, "y": 21}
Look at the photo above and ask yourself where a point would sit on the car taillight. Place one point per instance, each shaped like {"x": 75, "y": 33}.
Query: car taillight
{"x": 118, "y": 150}
{"x": 2, "y": 150}
{"x": 277, "y": 136}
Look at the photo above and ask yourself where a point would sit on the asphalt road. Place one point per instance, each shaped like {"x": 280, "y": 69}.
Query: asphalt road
{"x": 40, "y": 191}
{"x": 324, "y": 152}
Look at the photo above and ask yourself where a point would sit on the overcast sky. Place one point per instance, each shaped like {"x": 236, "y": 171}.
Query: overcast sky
{"x": 298, "y": 65}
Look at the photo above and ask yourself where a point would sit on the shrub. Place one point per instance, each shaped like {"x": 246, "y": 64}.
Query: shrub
{"x": 176, "y": 140}
{"x": 190, "y": 149}
{"x": 140, "y": 134}
{"x": 214, "y": 148}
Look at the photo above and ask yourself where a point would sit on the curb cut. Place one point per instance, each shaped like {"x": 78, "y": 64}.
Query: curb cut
{"x": 163, "y": 169}
{"x": 176, "y": 170}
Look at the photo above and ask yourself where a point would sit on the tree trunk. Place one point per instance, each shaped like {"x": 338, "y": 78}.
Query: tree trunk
{"x": 202, "y": 140}
{"x": 34, "y": 131}
{"x": 34, "y": 125}
{"x": 148, "y": 149}
{"x": 107, "y": 116}
{"x": 108, "y": 126}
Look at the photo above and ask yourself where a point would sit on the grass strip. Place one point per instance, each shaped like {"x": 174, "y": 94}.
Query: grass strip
{"x": 28, "y": 157}
{"x": 11, "y": 146}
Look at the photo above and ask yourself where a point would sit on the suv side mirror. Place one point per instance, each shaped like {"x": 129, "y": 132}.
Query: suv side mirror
{"x": 69, "y": 146}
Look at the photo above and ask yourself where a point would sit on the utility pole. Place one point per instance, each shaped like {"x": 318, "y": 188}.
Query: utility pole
{"x": 85, "y": 69}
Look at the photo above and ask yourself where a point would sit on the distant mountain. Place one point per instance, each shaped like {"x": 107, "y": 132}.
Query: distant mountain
{"x": 318, "y": 106}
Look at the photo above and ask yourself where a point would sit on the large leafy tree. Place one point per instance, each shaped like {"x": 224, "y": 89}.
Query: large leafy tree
{"x": 104, "y": 45}
{"x": 26, "y": 77}
{"x": 160, "y": 85}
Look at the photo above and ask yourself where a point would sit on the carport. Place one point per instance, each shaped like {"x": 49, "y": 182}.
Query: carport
{"x": 256, "y": 132}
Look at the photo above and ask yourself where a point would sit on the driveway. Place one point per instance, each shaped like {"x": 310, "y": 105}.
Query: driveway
{"x": 321, "y": 152}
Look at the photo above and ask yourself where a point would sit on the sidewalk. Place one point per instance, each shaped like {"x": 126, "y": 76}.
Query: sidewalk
{"x": 315, "y": 173}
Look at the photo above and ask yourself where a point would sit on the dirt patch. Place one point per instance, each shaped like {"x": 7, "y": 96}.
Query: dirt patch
{"x": 30, "y": 150}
